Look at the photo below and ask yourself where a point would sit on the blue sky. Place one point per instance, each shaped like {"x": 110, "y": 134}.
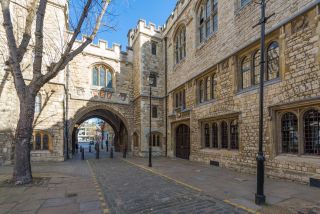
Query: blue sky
{"x": 128, "y": 12}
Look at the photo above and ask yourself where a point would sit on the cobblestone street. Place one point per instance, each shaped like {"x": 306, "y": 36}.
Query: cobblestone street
{"x": 128, "y": 186}
{"x": 129, "y": 189}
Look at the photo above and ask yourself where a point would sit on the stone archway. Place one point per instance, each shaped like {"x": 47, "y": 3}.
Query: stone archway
{"x": 114, "y": 118}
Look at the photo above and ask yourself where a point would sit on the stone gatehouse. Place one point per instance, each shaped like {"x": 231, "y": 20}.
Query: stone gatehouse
{"x": 205, "y": 65}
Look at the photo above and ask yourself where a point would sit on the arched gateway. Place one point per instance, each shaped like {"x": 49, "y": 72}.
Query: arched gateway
{"x": 113, "y": 117}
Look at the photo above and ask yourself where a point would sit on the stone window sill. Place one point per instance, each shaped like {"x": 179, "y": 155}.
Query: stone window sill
{"x": 40, "y": 152}
{"x": 177, "y": 65}
{"x": 256, "y": 87}
{"x": 205, "y": 103}
{"x": 206, "y": 40}
{"x": 310, "y": 159}
{"x": 101, "y": 87}
{"x": 220, "y": 151}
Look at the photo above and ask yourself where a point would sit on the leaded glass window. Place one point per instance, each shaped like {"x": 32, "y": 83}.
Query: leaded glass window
{"x": 201, "y": 91}
{"x": 224, "y": 135}
{"x": 234, "y": 132}
{"x": 311, "y": 121}
{"x": 101, "y": 76}
{"x": 206, "y": 135}
{"x": 273, "y": 61}
{"x": 245, "y": 72}
{"x": 212, "y": 86}
{"x": 38, "y": 141}
{"x": 289, "y": 133}
{"x": 214, "y": 135}
{"x": 208, "y": 18}
{"x": 45, "y": 142}
{"x": 256, "y": 67}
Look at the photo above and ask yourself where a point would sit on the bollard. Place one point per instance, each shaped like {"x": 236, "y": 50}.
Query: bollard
{"x": 125, "y": 153}
{"x": 111, "y": 152}
{"x": 89, "y": 148}
{"x": 107, "y": 145}
{"x": 97, "y": 153}
{"x": 101, "y": 145}
{"x": 82, "y": 153}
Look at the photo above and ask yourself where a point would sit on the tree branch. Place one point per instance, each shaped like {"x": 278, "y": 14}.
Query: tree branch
{"x": 78, "y": 29}
{"x": 67, "y": 56}
{"x": 38, "y": 49}
{"x": 27, "y": 30}
{"x": 13, "y": 50}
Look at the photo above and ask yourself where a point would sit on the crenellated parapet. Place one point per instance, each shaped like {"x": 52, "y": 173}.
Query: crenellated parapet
{"x": 102, "y": 49}
{"x": 179, "y": 8}
{"x": 142, "y": 27}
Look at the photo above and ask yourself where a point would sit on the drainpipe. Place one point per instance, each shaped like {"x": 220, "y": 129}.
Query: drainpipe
{"x": 66, "y": 113}
{"x": 166, "y": 91}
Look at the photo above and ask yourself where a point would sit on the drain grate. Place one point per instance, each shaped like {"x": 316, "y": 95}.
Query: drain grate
{"x": 71, "y": 195}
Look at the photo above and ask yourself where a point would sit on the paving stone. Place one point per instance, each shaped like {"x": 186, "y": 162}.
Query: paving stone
{"x": 129, "y": 189}
{"x": 88, "y": 206}
{"x": 67, "y": 209}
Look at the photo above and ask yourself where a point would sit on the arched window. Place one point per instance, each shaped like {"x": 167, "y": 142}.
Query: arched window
{"x": 101, "y": 76}
{"x": 212, "y": 87}
{"x": 45, "y": 142}
{"x": 311, "y": 121}
{"x": 154, "y": 111}
{"x": 109, "y": 79}
{"x": 180, "y": 43}
{"x": 273, "y": 61}
{"x": 245, "y": 73}
{"x": 214, "y": 135}
{"x": 41, "y": 140}
{"x": 201, "y": 91}
{"x": 38, "y": 142}
{"x": 224, "y": 135}
{"x": 234, "y": 132}
{"x": 256, "y": 68}
{"x": 207, "y": 88}
{"x": 206, "y": 135}
{"x": 208, "y": 18}
{"x": 37, "y": 105}
{"x": 289, "y": 133}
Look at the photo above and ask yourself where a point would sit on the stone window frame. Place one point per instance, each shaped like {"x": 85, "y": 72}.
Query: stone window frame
{"x": 228, "y": 119}
{"x": 206, "y": 18}
{"x": 156, "y": 139}
{"x": 251, "y": 54}
{"x": 107, "y": 70}
{"x": 154, "y": 111}
{"x": 180, "y": 42}
{"x": 42, "y": 134}
{"x": 207, "y": 91}
{"x": 154, "y": 48}
{"x": 179, "y": 99}
{"x": 298, "y": 109}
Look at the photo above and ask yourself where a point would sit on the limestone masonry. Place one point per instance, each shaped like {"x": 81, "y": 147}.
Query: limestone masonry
{"x": 204, "y": 63}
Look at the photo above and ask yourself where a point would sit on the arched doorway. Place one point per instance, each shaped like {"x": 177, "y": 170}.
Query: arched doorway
{"x": 183, "y": 141}
{"x": 121, "y": 140}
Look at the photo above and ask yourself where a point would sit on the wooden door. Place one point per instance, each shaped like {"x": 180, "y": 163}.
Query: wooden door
{"x": 183, "y": 142}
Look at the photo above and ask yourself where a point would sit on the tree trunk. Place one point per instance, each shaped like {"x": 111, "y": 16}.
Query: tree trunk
{"x": 22, "y": 167}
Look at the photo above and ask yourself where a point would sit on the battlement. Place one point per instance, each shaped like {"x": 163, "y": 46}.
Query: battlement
{"x": 102, "y": 49}
{"x": 180, "y": 5}
{"x": 142, "y": 27}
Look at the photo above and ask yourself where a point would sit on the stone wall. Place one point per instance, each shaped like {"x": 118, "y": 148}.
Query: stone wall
{"x": 298, "y": 82}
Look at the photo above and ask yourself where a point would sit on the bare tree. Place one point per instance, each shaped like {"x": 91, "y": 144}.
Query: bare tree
{"x": 27, "y": 91}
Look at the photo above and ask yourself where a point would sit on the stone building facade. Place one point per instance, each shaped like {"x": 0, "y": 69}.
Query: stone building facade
{"x": 205, "y": 67}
